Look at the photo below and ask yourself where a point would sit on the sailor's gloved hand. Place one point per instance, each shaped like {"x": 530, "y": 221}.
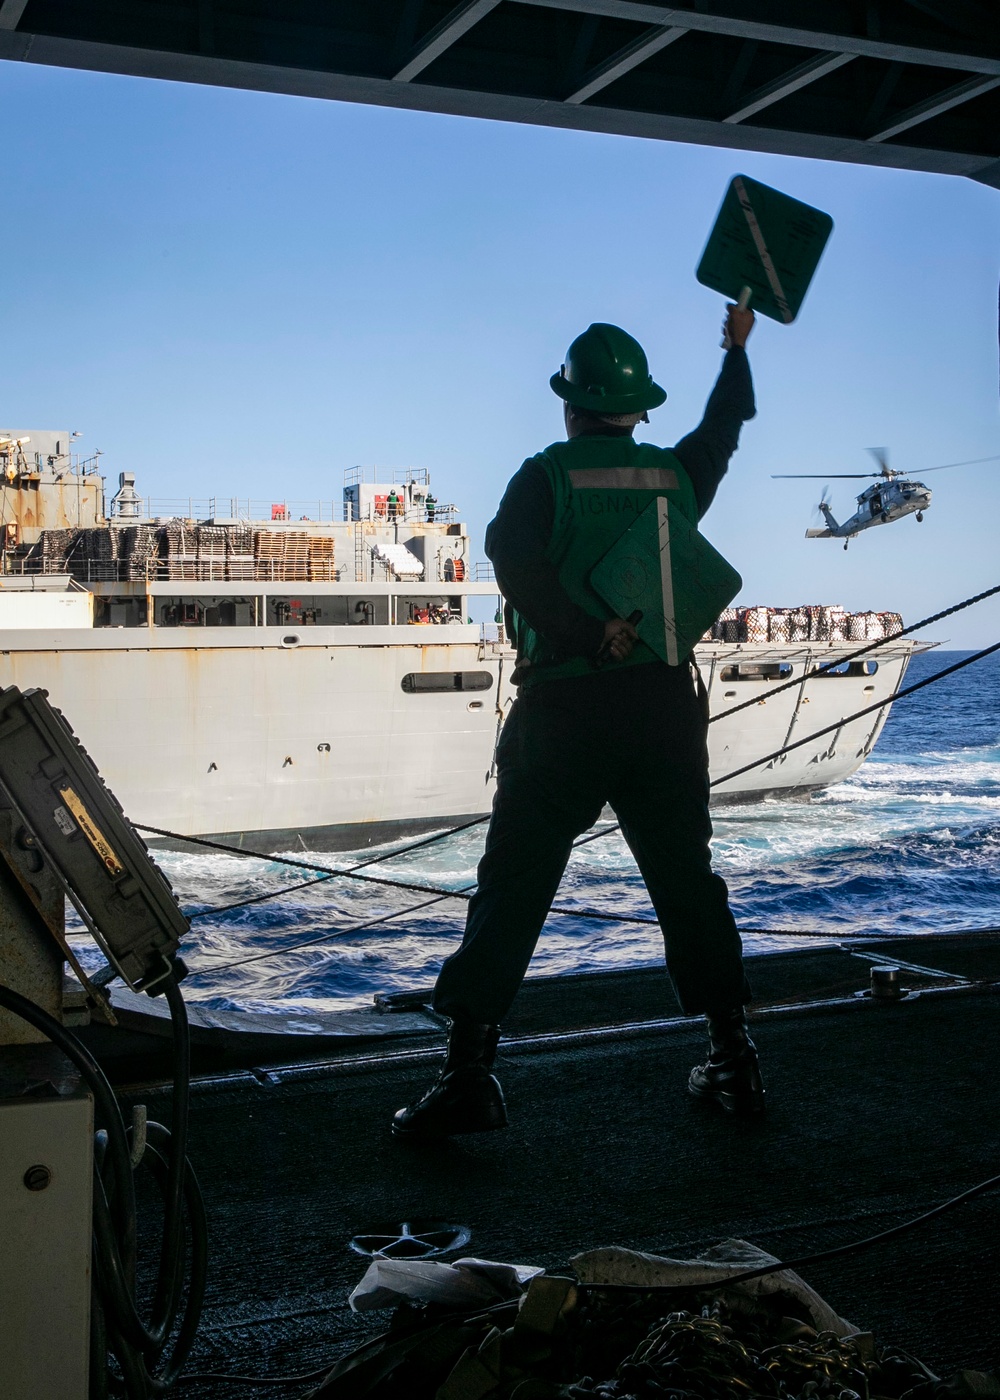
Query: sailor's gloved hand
{"x": 619, "y": 639}
{"x": 737, "y": 326}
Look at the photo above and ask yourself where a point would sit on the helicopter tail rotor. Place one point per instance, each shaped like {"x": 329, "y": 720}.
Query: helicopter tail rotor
{"x": 826, "y": 512}
{"x": 823, "y": 512}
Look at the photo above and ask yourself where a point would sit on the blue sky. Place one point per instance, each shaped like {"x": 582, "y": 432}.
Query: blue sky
{"x": 243, "y": 294}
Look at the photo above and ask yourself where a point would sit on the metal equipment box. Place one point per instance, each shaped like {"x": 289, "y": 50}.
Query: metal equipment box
{"x": 79, "y": 827}
{"x": 46, "y": 1174}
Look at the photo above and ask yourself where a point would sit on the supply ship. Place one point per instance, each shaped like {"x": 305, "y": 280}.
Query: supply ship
{"x": 308, "y": 674}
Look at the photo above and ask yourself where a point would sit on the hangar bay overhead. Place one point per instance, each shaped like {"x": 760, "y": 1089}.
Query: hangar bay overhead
{"x": 913, "y": 84}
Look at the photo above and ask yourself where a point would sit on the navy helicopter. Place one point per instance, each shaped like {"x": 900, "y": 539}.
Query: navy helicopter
{"x": 889, "y": 498}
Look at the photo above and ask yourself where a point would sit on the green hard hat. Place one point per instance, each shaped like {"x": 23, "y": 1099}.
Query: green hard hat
{"x": 606, "y": 371}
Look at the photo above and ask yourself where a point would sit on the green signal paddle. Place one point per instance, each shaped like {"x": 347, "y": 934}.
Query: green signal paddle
{"x": 667, "y": 577}
{"x": 765, "y": 247}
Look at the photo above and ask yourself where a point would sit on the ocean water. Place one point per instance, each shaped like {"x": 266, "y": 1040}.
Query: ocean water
{"x": 910, "y": 844}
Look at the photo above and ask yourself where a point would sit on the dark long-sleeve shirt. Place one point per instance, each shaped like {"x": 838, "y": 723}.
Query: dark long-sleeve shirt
{"x": 517, "y": 537}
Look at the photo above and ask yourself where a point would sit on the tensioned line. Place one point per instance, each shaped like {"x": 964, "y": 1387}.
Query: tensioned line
{"x": 465, "y": 893}
{"x": 330, "y": 874}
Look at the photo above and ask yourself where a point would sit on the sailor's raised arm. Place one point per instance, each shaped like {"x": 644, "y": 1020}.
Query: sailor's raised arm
{"x": 705, "y": 452}
{"x": 737, "y": 326}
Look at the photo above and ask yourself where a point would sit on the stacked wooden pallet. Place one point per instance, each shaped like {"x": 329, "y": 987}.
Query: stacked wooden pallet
{"x": 56, "y": 549}
{"x": 293, "y": 555}
{"x": 240, "y": 562}
{"x": 269, "y": 553}
{"x": 137, "y": 545}
{"x": 95, "y": 555}
{"x": 296, "y": 555}
{"x": 322, "y": 565}
{"x": 210, "y": 544}
{"x": 179, "y": 550}
{"x": 185, "y": 552}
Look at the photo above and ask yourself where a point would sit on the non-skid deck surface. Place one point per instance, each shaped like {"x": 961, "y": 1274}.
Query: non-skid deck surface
{"x": 973, "y": 956}
{"x": 876, "y": 1114}
{"x": 547, "y": 1004}
{"x": 223, "y": 1040}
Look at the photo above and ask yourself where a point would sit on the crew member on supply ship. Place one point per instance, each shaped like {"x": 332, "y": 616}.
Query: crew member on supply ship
{"x": 599, "y": 719}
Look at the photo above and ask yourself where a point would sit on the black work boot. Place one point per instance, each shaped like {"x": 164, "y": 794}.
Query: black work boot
{"x": 466, "y": 1098}
{"x": 730, "y": 1076}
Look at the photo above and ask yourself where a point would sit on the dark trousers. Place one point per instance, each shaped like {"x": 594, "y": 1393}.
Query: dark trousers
{"x": 633, "y": 737}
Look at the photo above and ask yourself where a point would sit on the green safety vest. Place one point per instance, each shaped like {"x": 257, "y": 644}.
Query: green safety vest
{"x": 600, "y": 486}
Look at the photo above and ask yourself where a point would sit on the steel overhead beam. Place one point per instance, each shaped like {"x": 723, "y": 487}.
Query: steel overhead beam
{"x": 257, "y": 76}
{"x": 766, "y": 33}
{"x": 883, "y": 96}
{"x": 625, "y": 60}
{"x": 989, "y": 175}
{"x": 443, "y": 35}
{"x": 796, "y": 78}
{"x": 11, "y": 12}
{"x": 934, "y": 106}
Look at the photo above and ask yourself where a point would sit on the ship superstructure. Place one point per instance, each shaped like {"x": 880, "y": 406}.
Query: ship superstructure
{"x": 287, "y": 673}
{"x": 54, "y": 522}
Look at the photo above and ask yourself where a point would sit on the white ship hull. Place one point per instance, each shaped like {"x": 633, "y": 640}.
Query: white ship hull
{"x": 247, "y": 735}
{"x": 271, "y": 681}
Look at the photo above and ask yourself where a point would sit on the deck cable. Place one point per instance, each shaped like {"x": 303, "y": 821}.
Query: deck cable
{"x": 466, "y": 892}
{"x": 820, "y": 1257}
{"x": 479, "y": 821}
{"x": 664, "y": 1290}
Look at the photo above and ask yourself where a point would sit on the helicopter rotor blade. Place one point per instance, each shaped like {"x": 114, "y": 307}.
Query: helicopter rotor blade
{"x": 881, "y": 455}
{"x": 975, "y": 461}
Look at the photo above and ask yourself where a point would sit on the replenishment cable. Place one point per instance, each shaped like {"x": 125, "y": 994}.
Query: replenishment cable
{"x": 311, "y": 865}
{"x": 350, "y": 871}
{"x": 150, "y": 1354}
{"x": 320, "y": 938}
{"x": 337, "y": 934}
{"x": 133, "y": 1344}
{"x": 465, "y": 892}
{"x": 354, "y": 871}
{"x": 862, "y": 651}
{"x": 478, "y": 821}
{"x": 831, "y": 728}
{"x": 821, "y": 1257}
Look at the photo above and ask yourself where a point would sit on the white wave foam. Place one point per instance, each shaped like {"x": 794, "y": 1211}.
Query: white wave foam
{"x": 941, "y": 802}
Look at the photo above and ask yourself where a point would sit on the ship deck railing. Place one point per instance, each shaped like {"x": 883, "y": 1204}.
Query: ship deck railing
{"x": 220, "y": 510}
{"x": 238, "y": 568}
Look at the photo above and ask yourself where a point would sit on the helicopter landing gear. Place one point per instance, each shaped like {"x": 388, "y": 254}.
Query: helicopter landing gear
{"x": 883, "y": 517}
{"x": 920, "y": 516}
{"x": 846, "y": 543}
